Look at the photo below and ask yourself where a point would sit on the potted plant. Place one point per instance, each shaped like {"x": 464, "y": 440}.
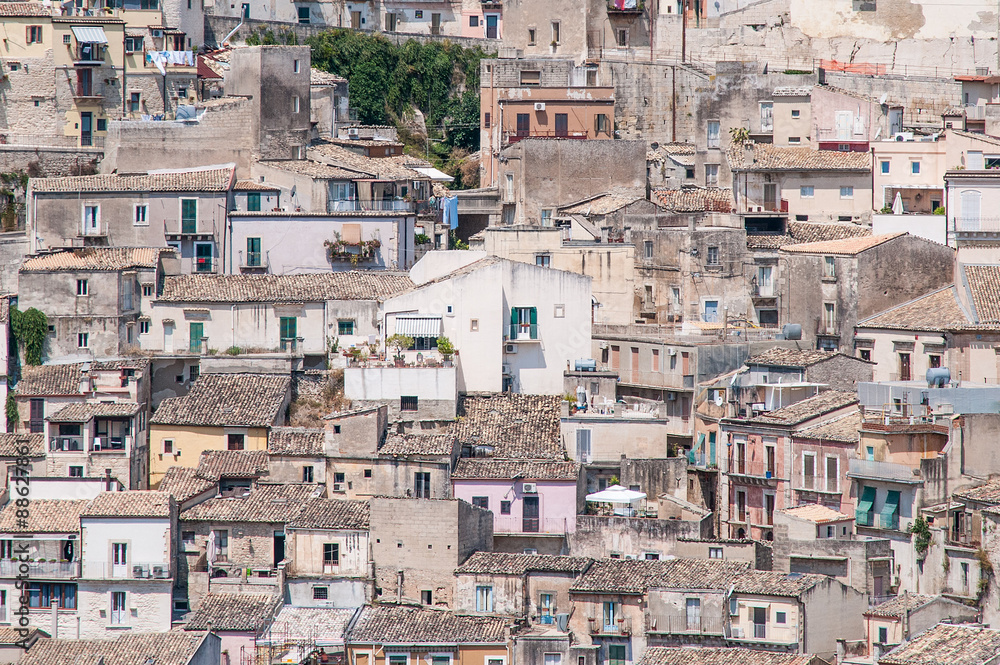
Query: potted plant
{"x": 400, "y": 343}
{"x": 355, "y": 355}
{"x": 446, "y": 349}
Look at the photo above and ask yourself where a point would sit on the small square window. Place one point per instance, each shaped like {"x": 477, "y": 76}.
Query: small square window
{"x": 83, "y": 340}
{"x": 796, "y": 113}
{"x": 76, "y": 472}
{"x": 505, "y": 507}
{"x": 368, "y": 473}
{"x": 847, "y": 192}
{"x": 419, "y": 13}
{"x": 780, "y": 617}
{"x": 102, "y": 124}
{"x": 408, "y": 403}
{"x": 473, "y": 23}
{"x": 559, "y": 311}
{"x": 426, "y": 597}
{"x": 168, "y": 446}
{"x": 235, "y": 441}
{"x": 345, "y": 327}
{"x": 807, "y": 191}
{"x": 82, "y": 287}
{"x": 474, "y": 325}
{"x": 543, "y": 260}
{"x": 144, "y": 327}
{"x": 714, "y": 552}
{"x": 915, "y": 168}
{"x": 884, "y": 166}
{"x": 321, "y": 592}
{"x": 147, "y": 290}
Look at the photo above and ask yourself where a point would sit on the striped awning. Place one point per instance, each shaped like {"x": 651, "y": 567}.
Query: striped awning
{"x": 418, "y": 325}
{"x": 90, "y": 34}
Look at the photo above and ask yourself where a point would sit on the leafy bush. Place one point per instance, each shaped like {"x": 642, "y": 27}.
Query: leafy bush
{"x": 922, "y": 535}
{"x": 422, "y": 239}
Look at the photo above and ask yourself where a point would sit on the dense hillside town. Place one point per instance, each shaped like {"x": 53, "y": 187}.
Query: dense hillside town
{"x": 480, "y": 332}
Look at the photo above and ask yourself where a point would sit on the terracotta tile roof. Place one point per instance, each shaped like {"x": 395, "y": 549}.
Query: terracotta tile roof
{"x": 184, "y": 483}
{"x": 487, "y": 468}
{"x": 988, "y": 492}
{"x": 320, "y": 513}
{"x": 45, "y": 516}
{"x": 167, "y": 648}
{"x": 26, "y": 9}
{"x": 634, "y": 576}
{"x": 899, "y": 605}
{"x": 771, "y": 583}
{"x": 207, "y": 180}
{"x": 397, "y": 167}
{"x": 603, "y": 204}
{"x": 844, "y": 429}
{"x": 503, "y": 563}
{"x": 800, "y": 412}
{"x": 130, "y": 503}
{"x": 96, "y": 259}
{"x": 265, "y": 503}
{"x": 802, "y": 232}
{"x": 227, "y": 400}
{"x": 65, "y": 379}
{"x": 938, "y": 310}
{"x": 816, "y": 513}
{"x": 22, "y": 444}
{"x": 253, "y": 186}
{"x": 782, "y": 357}
{"x": 719, "y": 656}
{"x": 515, "y": 426}
{"x": 236, "y": 612}
{"x": 319, "y": 77}
{"x": 320, "y": 170}
{"x": 984, "y": 288}
{"x": 215, "y": 464}
{"x": 322, "y": 626}
{"x": 82, "y": 412}
{"x": 296, "y": 441}
{"x": 403, "y": 445}
{"x": 396, "y": 624}
{"x": 946, "y": 643}
{"x": 348, "y": 285}
{"x": 792, "y": 91}
{"x": 844, "y": 246}
{"x": 689, "y": 199}
{"x": 766, "y": 157}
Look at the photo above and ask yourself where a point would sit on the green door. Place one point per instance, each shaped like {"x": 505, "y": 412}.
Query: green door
{"x": 253, "y": 251}
{"x": 189, "y": 215}
{"x": 197, "y": 333}
{"x": 616, "y": 654}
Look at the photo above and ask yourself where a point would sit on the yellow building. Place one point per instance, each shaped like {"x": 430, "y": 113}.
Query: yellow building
{"x": 221, "y": 412}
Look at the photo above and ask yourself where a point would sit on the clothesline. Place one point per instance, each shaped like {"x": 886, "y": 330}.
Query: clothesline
{"x": 163, "y": 58}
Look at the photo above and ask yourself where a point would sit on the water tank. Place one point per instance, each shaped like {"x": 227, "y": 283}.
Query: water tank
{"x": 938, "y": 377}
{"x": 586, "y": 365}
{"x": 792, "y": 331}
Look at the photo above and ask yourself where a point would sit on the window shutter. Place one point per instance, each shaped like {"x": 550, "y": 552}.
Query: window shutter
{"x": 534, "y": 322}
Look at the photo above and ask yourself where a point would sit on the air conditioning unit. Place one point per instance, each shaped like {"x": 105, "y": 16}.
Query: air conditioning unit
{"x": 671, "y": 397}
{"x": 140, "y": 572}
{"x": 157, "y": 34}
{"x": 510, "y": 348}
{"x": 539, "y": 106}
{"x": 737, "y": 632}
{"x": 506, "y": 369}
{"x": 161, "y": 572}
{"x": 530, "y": 488}
{"x": 352, "y": 132}
{"x": 97, "y": 444}
{"x": 671, "y": 352}
{"x": 339, "y": 487}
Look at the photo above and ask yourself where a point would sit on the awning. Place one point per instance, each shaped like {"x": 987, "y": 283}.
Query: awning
{"x": 418, "y": 326}
{"x": 90, "y": 34}
{"x": 701, "y": 442}
{"x": 433, "y": 173}
{"x": 867, "y": 501}
{"x": 891, "y": 506}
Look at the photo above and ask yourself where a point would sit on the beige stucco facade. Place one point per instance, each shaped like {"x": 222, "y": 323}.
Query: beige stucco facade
{"x": 190, "y": 441}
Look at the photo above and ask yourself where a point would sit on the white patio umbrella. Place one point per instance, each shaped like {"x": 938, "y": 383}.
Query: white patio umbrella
{"x": 616, "y": 494}
{"x": 897, "y": 204}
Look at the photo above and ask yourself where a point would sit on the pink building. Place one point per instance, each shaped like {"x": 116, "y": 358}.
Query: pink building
{"x": 529, "y": 499}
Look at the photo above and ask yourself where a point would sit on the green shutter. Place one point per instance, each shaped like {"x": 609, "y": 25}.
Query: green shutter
{"x": 867, "y": 501}
{"x": 253, "y": 201}
{"x": 288, "y": 327}
{"x": 197, "y": 331}
{"x": 189, "y": 215}
{"x": 534, "y": 322}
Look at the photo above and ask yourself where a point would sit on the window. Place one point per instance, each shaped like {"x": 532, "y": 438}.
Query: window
{"x": 295, "y": 103}
{"x": 102, "y": 124}
{"x": 847, "y": 192}
{"x": 82, "y": 287}
{"x": 883, "y": 634}
{"x": 141, "y": 215}
{"x": 473, "y": 325}
{"x": 610, "y": 614}
{"x": 76, "y": 472}
{"x": 546, "y": 216}
{"x": 601, "y": 124}
{"x": 884, "y": 166}
{"x": 418, "y": 13}
{"x": 505, "y": 507}
{"x": 41, "y": 595}
{"x": 481, "y": 502}
{"x": 168, "y": 446}
{"x": 711, "y": 174}
{"x": 583, "y": 440}
{"x": 117, "y": 608}
{"x": 134, "y": 101}
{"x": 91, "y": 219}
{"x": 523, "y": 323}
{"x": 647, "y": 249}
{"x": 796, "y": 113}
{"x": 531, "y": 77}
{"x": 147, "y": 290}
{"x": 965, "y": 575}
{"x": 915, "y": 167}
{"x": 486, "y": 120}
{"x": 713, "y": 133}
{"x": 398, "y": 659}
{"x": 865, "y": 354}
{"x": 523, "y": 125}
{"x": 422, "y": 485}
{"x": 621, "y": 37}
{"x": 368, "y": 473}
{"x": 34, "y": 34}
{"x": 331, "y": 554}
{"x": 829, "y": 267}
{"x": 689, "y": 173}
{"x": 655, "y": 360}
{"x": 780, "y": 617}
{"x": 712, "y": 258}
{"x": 543, "y": 260}
{"x": 830, "y": 316}
{"x": 345, "y": 327}
{"x": 36, "y": 422}
{"x": 767, "y": 117}
{"x": 83, "y": 340}
{"x": 714, "y": 552}
{"x": 794, "y": 140}
{"x": 303, "y": 13}
{"x": 473, "y": 21}
{"x": 189, "y": 215}
{"x": 253, "y": 202}
{"x": 832, "y": 473}
{"x": 295, "y": 66}
{"x": 555, "y": 32}
{"x": 235, "y": 441}
{"x": 809, "y": 471}
{"x": 484, "y": 599}
{"x": 807, "y": 191}
{"x": 196, "y": 336}
{"x": 531, "y": 36}
{"x": 321, "y": 592}
{"x": 288, "y": 328}
{"x": 933, "y": 361}
{"x": 552, "y": 659}
{"x": 307, "y": 474}
{"x": 408, "y": 403}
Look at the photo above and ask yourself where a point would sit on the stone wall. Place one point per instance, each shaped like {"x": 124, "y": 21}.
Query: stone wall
{"x": 599, "y": 537}
{"x": 51, "y": 160}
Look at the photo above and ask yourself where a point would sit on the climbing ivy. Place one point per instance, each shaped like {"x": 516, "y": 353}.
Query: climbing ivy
{"x": 11, "y": 407}
{"x": 30, "y": 329}
{"x": 922, "y": 535}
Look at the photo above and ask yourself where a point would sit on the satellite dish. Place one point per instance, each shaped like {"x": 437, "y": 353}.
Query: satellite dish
{"x": 885, "y": 96}
{"x": 720, "y": 398}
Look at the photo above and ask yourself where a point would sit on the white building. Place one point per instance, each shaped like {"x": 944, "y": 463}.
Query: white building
{"x": 515, "y": 326}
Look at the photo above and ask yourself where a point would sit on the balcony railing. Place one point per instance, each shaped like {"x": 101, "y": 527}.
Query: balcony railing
{"x": 204, "y": 265}
{"x": 974, "y": 225}
{"x": 622, "y": 626}
{"x": 103, "y": 444}
{"x": 41, "y": 569}
{"x": 860, "y": 468}
{"x": 877, "y": 520}
{"x": 523, "y": 331}
{"x": 509, "y": 524}
{"x": 755, "y": 469}
{"x": 66, "y": 444}
{"x": 681, "y": 624}
{"x": 108, "y": 570}
{"x": 514, "y": 137}
{"x": 384, "y": 205}
{"x": 625, "y": 6}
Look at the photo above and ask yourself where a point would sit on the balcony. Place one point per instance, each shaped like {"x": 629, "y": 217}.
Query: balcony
{"x": 204, "y": 265}
{"x": 817, "y": 484}
{"x": 756, "y": 470}
{"x": 117, "y": 444}
{"x": 973, "y": 225}
{"x": 625, "y": 7}
{"x": 510, "y": 525}
{"x": 523, "y": 332}
{"x": 66, "y": 444}
{"x": 681, "y": 624}
{"x": 108, "y": 570}
{"x": 383, "y": 205}
{"x": 622, "y": 626}
{"x": 886, "y": 471}
{"x": 514, "y": 137}
{"x": 776, "y": 206}
{"x": 41, "y": 569}
{"x": 292, "y": 344}
{"x": 877, "y": 520}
